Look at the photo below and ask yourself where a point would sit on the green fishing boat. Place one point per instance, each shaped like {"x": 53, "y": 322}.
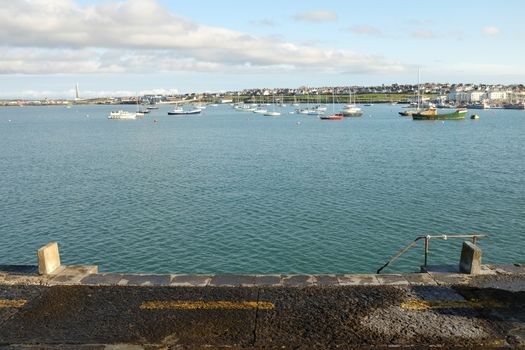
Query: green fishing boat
{"x": 432, "y": 114}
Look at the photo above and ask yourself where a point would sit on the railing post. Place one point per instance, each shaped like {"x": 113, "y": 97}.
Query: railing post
{"x": 427, "y": 239}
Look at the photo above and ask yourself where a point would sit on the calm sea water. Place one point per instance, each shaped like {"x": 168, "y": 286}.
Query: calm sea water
{"x": 233, "y": 192}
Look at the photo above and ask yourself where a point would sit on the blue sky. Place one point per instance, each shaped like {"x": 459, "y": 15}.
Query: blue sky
{"x": 133, "y": 46}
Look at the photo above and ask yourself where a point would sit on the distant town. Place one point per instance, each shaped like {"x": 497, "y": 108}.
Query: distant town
{"x": 440, "y": 94}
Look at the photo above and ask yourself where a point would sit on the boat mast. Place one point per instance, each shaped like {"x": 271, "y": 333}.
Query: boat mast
{"x": 418, "y": 91}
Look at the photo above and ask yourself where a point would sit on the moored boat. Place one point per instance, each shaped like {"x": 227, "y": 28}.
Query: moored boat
{"x": 308, "y": 111}
{"x": 260, "y": 111}
{"x": 519, "y": 105}
{"x": 409, "y": 112}
{"x": 122, "y": 115}
{"x": 180, "y": 111}
{"x": 432, "y": 114}
{"x": 332, "y": 117}
{"x": 352, "y": 111}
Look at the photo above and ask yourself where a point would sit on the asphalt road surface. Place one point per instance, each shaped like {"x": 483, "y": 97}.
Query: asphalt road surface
{"x": 163, "y": 317}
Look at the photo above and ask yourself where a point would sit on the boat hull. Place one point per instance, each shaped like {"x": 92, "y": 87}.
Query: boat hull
{"x": 332, "y": 117}
{"x": 458, "y": 115}
{"x": 185, "y": 112}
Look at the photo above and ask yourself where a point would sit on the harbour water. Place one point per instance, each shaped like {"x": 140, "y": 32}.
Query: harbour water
{"x": 236, "y": 192}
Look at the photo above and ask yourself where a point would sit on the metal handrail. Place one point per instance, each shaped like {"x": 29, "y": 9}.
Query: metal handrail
{"x": 427, "y": 240}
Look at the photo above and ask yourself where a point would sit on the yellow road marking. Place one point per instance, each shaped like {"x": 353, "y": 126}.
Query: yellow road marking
{"x": 4, "y": 303}
{"x": 467, "y": 304}
{"x": 194, "y": 305}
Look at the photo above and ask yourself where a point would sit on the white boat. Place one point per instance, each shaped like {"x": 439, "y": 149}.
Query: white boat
{"x": 260, "y": 111}
{"x": 351, "y": 109}
{"x": 273, "y": 113}
{"x": 180, "y": 111}
{"x": 308, "y": 111}
{"x": 124, "y": 115}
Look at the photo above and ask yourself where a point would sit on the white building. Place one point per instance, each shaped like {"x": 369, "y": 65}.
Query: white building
{"x": 458, "y": 96}
{"x": 497, "y": 95}
{"x": 475, "y": 96}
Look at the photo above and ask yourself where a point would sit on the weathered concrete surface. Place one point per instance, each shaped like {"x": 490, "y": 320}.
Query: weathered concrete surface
{"x": 470, "y": 260}
{"x": 76, "y": 309}
{"x": 306, "y": 317}
{"x": 48, "y": 258}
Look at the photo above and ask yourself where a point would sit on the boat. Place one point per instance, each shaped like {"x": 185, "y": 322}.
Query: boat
{"x": 308, "y": 111}
{"x": 519, "y": 105}
{"x": 180, "y": 111}
{"x": 332, "y": 117}
{"x": 479, "y": 105}
{"x": 410, "y": 112}
{"x": 152, "y": 107}
{"x": 474, "y": 116}
{"x": 122, "y": 115}
{"x": 260, "y": 111}
{"x": 352, "y": 112}
{"x": 432, "y": 114}
{"x": 273, "y": 113}
{"x": 351, "y": 109}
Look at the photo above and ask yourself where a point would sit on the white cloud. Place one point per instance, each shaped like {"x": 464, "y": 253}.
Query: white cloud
{"x": 492, "y": 31}
{"x": 264, "y": 23}
{"x": 422, "y": 34}
{"x": 60, "y": 36}
{"x": 316, "y": 16}
{"x": 365, "y": 29}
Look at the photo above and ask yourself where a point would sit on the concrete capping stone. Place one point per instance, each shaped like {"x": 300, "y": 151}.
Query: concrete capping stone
{"x": 420, "y": 279}
{"x": 298, "y": 280}
{"x": 48, "y": 259}
{"x": 443, "y": 278}
{"x": 190, "y": 280}
{"x": 358, "y": 280}
{"x": 268, "y": 281}
{"x": 470, "y": 261}
{"x": 326, "y": 280}
{"x": 232, "y": 281}
{"x": 393, "y": 279}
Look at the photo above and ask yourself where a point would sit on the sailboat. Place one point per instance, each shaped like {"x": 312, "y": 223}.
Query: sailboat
{"x": 273, "y": 113}
{"x": 410, "y": 112}
{"x": 308, "y": 110}
{"x": 334, "y": 116}
{"x": 295, "y": 104}
{"x": 351, "y": 109}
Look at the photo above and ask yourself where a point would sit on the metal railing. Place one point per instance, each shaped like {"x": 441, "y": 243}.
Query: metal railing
{"x": 427, "y": 241}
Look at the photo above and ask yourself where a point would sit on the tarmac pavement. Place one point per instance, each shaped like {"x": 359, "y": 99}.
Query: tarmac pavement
{"x": 100, "y": 311}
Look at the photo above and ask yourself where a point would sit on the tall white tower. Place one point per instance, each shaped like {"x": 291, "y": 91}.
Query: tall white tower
{"x": 76, "y": 93}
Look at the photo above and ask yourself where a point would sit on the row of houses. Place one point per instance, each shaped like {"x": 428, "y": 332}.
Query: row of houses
{"x": 474, "y": 96}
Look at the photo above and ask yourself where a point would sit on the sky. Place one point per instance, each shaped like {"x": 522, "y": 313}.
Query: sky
{"x": 130, "y": 47}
